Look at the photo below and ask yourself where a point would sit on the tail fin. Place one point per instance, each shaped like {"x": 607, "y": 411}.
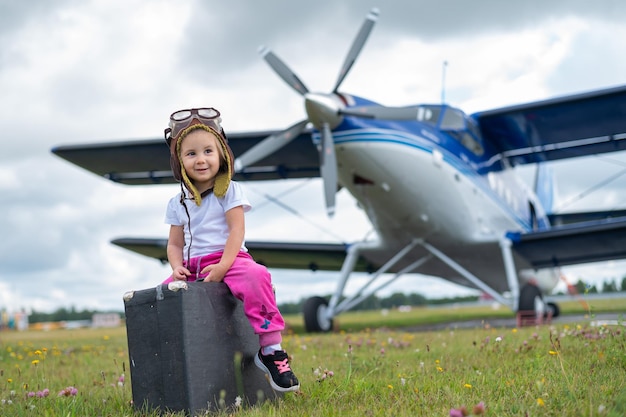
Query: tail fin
{"x": 545, "y": 188}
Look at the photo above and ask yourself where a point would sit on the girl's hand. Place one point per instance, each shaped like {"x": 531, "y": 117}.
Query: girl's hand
{"x": 180, "y": 273}
{"x": 216, "y": 273}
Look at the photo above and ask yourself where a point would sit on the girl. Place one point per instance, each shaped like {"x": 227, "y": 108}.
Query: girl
{"x": 206, "y": 240}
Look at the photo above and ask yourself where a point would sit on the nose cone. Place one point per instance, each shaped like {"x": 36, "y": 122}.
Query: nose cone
{"x": 323, "y": 109}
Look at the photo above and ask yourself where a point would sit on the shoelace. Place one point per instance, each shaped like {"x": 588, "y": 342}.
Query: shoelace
{"x": 283, "y": 366}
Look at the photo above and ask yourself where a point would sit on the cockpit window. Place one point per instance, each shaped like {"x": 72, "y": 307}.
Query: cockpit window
{"x": 462, "y": 128}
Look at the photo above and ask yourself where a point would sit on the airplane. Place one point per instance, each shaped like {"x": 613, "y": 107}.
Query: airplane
{"x": 439, "y": 187}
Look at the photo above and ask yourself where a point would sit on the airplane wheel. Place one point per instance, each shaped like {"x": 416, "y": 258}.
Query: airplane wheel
{"x": 530, "y": 305}
{"x": 528, "y": 297}
{"x": 554, "y": 308}
{"x": 314, "y": 317}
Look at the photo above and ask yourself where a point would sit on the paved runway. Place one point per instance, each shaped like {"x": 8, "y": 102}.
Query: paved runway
{"x": 594, "y": 320}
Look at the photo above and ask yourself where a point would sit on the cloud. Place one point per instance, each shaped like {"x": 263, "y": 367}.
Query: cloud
{"x": 89, "y": 71}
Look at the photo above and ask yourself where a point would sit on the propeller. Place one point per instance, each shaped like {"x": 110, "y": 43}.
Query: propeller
{"x": 324, "y": 111}
{"x": 269, "y": 145}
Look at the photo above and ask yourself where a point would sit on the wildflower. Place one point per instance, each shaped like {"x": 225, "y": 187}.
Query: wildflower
{"x": 499, "y": 339}
{"x": 514, "y": 330}
{"x": 322, "y": 375}
{"x": 43, "y": 394}
{"x": 552, "y": 352}
{"x": 403, "y": 381}
{"x": 468, "y": 385}
{"x": 458, "y": 412}
{"x": 390, "y": 386}
{"x": 238, "y": 401}
{"x": 440, "y": 369}
{"x": 479, "y": 408}
{"x": 120, "y": 380}
{"x": 35, "y": 362}
{"x": 31, "y": 394}
{"x": 68, "y": 391}
{"x": 540, "y": 402}
{"x": 9, "y": 380}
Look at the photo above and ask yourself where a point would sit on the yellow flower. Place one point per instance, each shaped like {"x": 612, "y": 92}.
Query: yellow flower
{"x": 38, "y": 353}
{"x": 35, "y": 362}
{"x": 390, "y": 386}
{"x": 514, "y": 330}
{"x": 9, "y": 380}
{"x": 468, "y": 385}
{"x": 552, "y": 352}
{"x": 540, "y": 402}
{"x": 440, "y": 369}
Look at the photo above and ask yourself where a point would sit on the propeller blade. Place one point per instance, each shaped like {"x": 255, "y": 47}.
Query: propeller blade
{"x": 283, "y": 70}
{"x": 386, "y": 113}
{"x": 269, "y": 145}
{"x": 328, "y": 169}
{"x": 357, "y": 45}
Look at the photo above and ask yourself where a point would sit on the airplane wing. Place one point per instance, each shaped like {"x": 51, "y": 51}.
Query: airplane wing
{"x": 573, "y": 244}
{"x": 565, "y": 127}
{"x": 558, "y": 219}
{"x": 282, "y": 255}
{"x": 148, "y": 161}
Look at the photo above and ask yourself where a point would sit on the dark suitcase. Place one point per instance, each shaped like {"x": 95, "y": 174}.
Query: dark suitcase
{"x": 192, "y": 349}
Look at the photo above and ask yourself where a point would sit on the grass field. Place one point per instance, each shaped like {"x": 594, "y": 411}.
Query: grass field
{"x": 571, "y": 369}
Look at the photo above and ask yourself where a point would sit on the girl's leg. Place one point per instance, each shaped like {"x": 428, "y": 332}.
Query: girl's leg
{"x": 252, "y": 284}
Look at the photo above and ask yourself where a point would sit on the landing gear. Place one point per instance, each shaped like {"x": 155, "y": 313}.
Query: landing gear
{"x": 552, "y": 310}
{"x": 530, "y": 299}
{"x": 319, "y": 313}
{"x": 315, "y": 317}
{"x": 532, "y": 309}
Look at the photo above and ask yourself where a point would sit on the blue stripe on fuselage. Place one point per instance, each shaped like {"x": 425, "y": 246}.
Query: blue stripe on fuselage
{"x": 427, "y": 140}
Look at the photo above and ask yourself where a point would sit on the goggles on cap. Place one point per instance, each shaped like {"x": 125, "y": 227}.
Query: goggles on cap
{"x": 182, "y": 119}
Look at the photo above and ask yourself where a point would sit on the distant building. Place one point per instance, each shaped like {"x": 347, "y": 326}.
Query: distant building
{"x": 106, "y": 320}
{"x": 21, "y": 320}
{"x": 15, "y": 321}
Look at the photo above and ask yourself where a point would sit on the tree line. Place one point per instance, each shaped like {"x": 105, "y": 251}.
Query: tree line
{"x": 372, "y": 303}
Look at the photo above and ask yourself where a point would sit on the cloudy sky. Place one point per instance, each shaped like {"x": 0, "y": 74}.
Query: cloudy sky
{"x": 83, "y": 71}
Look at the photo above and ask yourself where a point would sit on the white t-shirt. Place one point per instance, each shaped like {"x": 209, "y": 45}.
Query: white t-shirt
{"x": 209, "y": 230}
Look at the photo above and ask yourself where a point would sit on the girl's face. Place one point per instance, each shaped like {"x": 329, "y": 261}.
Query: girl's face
{"x": 201, "y": 155}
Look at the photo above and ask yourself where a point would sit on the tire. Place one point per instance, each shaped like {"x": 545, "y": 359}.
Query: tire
{"x": 314, "y": 320}
{"x": 554, "y": 308}
{"x": 527, "y": 297}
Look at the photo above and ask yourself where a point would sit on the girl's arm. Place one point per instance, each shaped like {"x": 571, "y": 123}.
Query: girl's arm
{"x": 175, "y": 246}
{"x": 236, "y": 232}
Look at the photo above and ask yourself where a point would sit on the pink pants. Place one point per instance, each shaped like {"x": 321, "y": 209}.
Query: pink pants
{"x": 251, "y": 283}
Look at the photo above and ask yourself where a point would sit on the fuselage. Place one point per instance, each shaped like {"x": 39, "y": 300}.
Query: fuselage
{"x": 416, "y": 179}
